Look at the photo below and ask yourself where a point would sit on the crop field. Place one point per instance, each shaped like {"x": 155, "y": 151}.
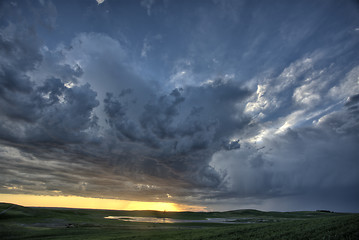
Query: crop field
{"x": 17, "y": 222}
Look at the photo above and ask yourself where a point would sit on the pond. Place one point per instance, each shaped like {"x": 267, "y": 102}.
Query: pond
{"x": 172, "y": 220}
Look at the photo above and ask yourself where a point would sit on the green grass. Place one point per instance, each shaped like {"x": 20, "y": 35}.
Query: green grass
{"x": 40, "y": 223}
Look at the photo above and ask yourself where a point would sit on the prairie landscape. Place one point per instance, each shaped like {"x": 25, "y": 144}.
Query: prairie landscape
{"x": 60, "y": 223}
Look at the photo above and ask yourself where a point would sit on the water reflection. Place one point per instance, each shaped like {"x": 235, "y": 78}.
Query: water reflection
{"x": 171, "y": 220}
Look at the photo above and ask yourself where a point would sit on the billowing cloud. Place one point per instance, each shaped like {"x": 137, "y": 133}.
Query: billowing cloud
{"x": 199, "y": 109}
{"x": 47, "y": 112}
{"x": 299, "y": 162}
{"x": 181, "y": 130}
{"x": 167, "y": 138}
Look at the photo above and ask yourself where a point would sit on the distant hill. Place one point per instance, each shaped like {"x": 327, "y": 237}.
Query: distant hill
{"x": 18, "y": 222}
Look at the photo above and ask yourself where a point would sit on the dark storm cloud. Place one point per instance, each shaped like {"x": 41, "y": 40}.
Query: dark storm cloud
{"x": 309, "y": 161}
{"x": 206, "y": 112}
{"x": 16, "y": 97}
{"x": 181, "y": 130}
{"x": 232, "y": 145}
{"x": 49, "y": 112}
{"x": 168, "y": 138}
{"x": 220, "y": 102}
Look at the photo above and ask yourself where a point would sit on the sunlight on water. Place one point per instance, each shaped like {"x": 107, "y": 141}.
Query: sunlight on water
{"x": 171, "y": 220}
{"x": 143, "y": 219}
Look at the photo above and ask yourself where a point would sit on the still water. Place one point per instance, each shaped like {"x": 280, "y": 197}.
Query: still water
{"x": 171, "y": 220}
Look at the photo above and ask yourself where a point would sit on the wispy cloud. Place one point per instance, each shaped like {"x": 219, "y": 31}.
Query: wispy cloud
{"x": 148, "y": 5}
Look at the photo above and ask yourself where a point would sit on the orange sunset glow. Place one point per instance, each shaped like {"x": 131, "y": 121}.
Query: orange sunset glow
{"x": 93, "y": 203}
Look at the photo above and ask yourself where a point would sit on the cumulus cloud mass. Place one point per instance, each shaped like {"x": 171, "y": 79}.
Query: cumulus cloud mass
{"x": 223, "y": 104}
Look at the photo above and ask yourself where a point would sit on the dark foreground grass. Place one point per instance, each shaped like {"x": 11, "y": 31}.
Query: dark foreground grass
{"x": 36, "y": 223}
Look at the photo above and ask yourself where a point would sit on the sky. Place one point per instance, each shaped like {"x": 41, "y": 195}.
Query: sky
{"x": 195, "y": 105}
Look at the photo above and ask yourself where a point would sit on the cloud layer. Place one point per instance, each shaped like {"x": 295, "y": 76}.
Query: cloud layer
{"x": 147, "y": 137}
{"x": 227, "y": 104}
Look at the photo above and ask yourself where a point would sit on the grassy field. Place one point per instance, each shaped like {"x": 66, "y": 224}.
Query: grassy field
{"x": 50, "y": 223}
